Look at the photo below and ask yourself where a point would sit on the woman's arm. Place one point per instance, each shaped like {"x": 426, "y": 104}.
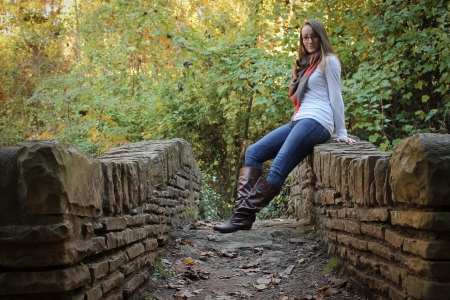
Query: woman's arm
{"x": 333, "y": 76}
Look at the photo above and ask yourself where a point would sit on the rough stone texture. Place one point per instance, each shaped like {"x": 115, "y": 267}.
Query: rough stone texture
{"x": 386, "y": 217}
{"x": 76, "y": 227}
{"x": 44, "y": 281}
{"x": 57, "y": 178}
{"x": 420, "y": 170}
{"x": 435, "y": 221}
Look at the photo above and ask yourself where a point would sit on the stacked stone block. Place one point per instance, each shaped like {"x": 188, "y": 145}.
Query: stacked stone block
{"x": 386, "y": 216}
{"x": 76, "y": 227}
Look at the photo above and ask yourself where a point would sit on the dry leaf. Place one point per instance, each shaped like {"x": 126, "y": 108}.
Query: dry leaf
{"x": 324, "y": 288}
{"x": 260, "y": 287}
{"x": 211, "y": 237}
{"x": 301, "y": 261}
{"x": 188, "y": 242}
{"x": 183, "y": 294}
{"x": 258, "y": 250}
{"x": 207, "y": 254}
{"x": 188, "y": 261}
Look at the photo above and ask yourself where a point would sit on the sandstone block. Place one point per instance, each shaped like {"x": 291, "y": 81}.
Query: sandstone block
{"x": 424, "y": 289}
{"x": 44, "y": 282}
{"x": 429, "y": 269}
{"x": 94, "y": 293}
{"x": 373, "y": 214}
{"x": 394, "y": 238}
{"x": 380, "y": 176}
{"x": 380, "y": 250}
{"x": 134, "y": 282}
{"x": 135, "y": 250}
{"x": 116, "y": 223}
{"x": 420, "y": 170}
{"x": 148, "y": 259}
{"x": 434, "y": 221}
{"x": 98, "y": 270}
{"x": 375, "y": 231}
{"x": 394, "y": 274}
{"x": 112, "y": 281}
{"x": 36, "y": 233}
{"x": 116, "y": 261}
{"x": 57, "y": 178}
{"x": 427, "y": 249}
{"x": 150, "y": 244}
{"x": 130, "y": 266}
{"x": 46, "y": 254}
{"x": 127, "y": 236}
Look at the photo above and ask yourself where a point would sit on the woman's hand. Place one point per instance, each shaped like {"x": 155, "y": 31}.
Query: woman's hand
{"x": 347, "y": 140}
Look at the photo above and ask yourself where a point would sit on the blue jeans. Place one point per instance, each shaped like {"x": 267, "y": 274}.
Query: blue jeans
{"x": 288, "y": 145}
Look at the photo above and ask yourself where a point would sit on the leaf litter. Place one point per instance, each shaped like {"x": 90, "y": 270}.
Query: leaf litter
{"x": 202, "y": 269}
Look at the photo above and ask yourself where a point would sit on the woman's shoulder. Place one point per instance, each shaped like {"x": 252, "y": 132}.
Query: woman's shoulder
{"x": 332, "y": 61}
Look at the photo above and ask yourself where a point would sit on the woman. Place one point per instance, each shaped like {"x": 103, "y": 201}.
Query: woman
{"x": 318, "y": 108}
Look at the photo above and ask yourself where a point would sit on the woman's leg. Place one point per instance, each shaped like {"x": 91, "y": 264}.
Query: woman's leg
{"x": 299, "y": 143}
{"x": 267, "y": 147}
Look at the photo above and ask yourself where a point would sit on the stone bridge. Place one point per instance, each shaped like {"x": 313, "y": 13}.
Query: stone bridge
{"x": 77, "y": 227}
{"x": 386, "y": 216}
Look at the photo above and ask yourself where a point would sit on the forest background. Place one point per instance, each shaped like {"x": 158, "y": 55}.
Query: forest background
{"x": 99, "y": 74}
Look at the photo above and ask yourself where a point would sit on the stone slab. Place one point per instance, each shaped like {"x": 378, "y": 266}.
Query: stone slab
{"x": 44, "y": 281}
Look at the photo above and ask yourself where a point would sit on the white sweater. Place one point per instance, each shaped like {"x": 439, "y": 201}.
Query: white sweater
{"x": 322, "y": 100}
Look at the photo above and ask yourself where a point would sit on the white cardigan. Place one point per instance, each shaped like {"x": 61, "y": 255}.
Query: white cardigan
{"x": 322, "y": 100}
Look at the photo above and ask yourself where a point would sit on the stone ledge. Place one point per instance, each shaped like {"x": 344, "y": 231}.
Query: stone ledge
{"x": 429, "y": 290}
{"x": 434, "y": 221}
{"x": 45, "y": 281}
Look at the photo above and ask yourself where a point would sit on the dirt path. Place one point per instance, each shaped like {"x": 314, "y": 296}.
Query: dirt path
{"x": 277, "y": 259}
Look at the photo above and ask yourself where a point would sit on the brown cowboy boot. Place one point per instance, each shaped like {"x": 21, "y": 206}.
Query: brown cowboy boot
{"x": 248, "y": 177}
{"x": 244, "y": 215}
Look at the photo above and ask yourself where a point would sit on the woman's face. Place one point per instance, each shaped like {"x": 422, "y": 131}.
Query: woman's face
{"x": 310, "y": 40}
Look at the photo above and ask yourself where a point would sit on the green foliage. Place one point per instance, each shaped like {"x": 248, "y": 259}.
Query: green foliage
{"x": 333, "y": 265}
{"x": 158, "y": 270}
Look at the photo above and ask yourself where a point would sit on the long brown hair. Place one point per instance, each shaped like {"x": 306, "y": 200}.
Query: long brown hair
{"x": 325, "y": 45}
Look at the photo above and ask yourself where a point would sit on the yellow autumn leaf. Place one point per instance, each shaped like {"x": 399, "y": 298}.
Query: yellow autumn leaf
{"x": 46, "y": 135}
{"x": 188, "y": 261}
{"x": 108, "y": 120}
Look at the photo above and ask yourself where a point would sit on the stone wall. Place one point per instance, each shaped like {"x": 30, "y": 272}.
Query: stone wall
{"x": 386, "y": 216}
{"x": 76, "y": 227}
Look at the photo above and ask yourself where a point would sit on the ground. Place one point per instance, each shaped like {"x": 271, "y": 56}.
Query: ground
{"x": 277, "y": 259}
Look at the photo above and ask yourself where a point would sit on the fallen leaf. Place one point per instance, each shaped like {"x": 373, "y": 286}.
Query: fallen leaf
{"x": 225, "y": 277}
{"x": 260, "y": 287}
{"x": 324, "y": 288}
{"x": 188, "y": 261}
{"x": 301, "y": 261}
{"x": 258, "y": 250}
{"x": 207, "y": 254}
{"x": 197, "y": 291}
{"x": 188, "y": 242}
{"x": 321, "y": 295}
{"x": 211, "y": 237}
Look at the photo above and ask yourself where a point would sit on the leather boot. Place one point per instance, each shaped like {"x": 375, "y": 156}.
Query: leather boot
{"x": 248, "y": 177}
{"x": 244, "y": 215}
